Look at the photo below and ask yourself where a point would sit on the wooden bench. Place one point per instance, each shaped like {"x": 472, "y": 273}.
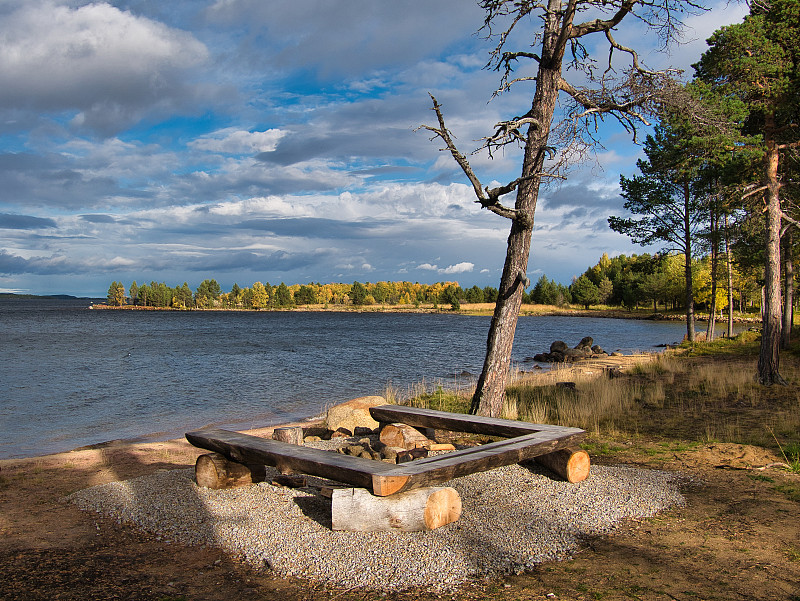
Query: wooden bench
{"x": 527, "y": 441}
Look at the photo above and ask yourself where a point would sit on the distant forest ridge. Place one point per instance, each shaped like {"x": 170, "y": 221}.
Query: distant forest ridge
{"x": 625, "y": 281}
{"x": 14, "y": 295}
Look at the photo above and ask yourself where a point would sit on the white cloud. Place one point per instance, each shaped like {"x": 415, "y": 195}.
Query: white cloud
{"x": 236, "y": 141}
{"x": 464, "y": 267}
{"x": 105, "y": 63}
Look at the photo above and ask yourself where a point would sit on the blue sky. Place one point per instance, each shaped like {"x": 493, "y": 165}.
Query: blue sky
{"x": 248, "y": 140}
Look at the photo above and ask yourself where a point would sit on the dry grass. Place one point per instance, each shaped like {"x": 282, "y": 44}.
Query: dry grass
{"x": 708, "y": 394}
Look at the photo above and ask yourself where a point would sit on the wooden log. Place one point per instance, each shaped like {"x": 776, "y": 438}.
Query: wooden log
{"x": 245, "y": 448}
{"x": 402, "y": 436}
{"x": 476, "y": 424}
{"x": 381, "y": 478}
{"x": 216, "y": 471}
{"x": 289, "y": 434}
{"x": 440, "y": 446}
{"x": 571, "y": 464}
{"x": 441, "y": 468}
{"x": 356, "y": 510}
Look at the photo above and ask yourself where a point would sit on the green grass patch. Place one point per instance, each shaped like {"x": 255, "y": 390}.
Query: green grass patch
{"x": 440, "y": 399}
{"x": 760, "y": 478}
{"x": 792, "y": 491}
{"x": 746, "y": 343}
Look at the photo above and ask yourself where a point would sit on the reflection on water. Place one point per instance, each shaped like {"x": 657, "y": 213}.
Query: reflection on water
{"x": 71, "y": 377}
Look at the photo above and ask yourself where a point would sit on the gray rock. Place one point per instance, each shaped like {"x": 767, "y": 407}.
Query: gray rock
{"x": 559, "y": 346}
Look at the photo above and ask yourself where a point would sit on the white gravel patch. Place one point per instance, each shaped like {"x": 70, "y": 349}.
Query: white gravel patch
{"x": 513, "y": 518}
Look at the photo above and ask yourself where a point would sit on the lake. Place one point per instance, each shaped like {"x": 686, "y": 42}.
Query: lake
{"x": 70, "y": 376}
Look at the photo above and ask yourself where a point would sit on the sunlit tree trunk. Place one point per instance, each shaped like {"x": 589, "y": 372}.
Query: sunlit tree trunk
{"x": 490, "y": 391}
{"x": 729, "y": 268}
{"x": 712, "y": 305}
{"x": 788, "y": 302}
{"x": 687, "y": 266}
{"x": 769, "y": 354}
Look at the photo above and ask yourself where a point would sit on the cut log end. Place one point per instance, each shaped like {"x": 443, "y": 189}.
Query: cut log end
{"x": 383, "y": 486}
{"x": 214, "y": 470}
{"x": 443, "y": 507}
{"x": 289, "y": 434}
{"x": 573, "y": 465}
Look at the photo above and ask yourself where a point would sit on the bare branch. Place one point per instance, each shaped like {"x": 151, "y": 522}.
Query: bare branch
{"x": 507, "y": 132}
{"x": 754, "y": 192}
{"x": 634, "y": 55}
{"x": 577, "y": 31}
{"x": 792, "y": 222}
{"x": 488, "y": 199}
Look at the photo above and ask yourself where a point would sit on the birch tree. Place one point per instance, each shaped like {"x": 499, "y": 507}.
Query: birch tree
{"x": 556, "y": 64}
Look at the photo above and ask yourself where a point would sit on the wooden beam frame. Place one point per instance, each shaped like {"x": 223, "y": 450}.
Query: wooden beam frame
{"x": 526, "y": 442}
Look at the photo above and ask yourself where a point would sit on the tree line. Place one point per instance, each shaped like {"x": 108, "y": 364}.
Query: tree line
{"x": 623, "y": 281}
{"x": 209, "y": 295}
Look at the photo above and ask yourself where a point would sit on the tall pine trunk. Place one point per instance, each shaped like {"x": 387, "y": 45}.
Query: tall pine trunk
{"x": 769, "y": 354}
{"x": 687, "y": 265}
{"x": 788, "y": 302}
{"x": 712, "y": 305}
{"x": 729, "y": 268}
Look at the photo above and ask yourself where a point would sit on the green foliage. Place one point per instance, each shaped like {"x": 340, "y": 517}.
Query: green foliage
{"x": 283, "y": 296}
{"x": 358, "y": 294}
{"x": 116, "y": 294}
{"x": 450, "y": 295}
{"x": 584, "y": 292}
{"x": 207, "y": 294}
{"x": 549, "y": 292}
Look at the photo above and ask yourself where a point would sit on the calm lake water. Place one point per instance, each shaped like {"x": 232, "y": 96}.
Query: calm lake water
{"x": 71, "y": 377}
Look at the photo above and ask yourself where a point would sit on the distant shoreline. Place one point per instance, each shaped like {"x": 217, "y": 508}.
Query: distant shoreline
{"x": 478, "y": 309}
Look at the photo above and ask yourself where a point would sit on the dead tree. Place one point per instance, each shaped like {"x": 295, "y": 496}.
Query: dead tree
{"x": 554, "y": 48}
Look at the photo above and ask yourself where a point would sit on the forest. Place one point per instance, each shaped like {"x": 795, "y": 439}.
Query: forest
{"x": 629, "y": 282}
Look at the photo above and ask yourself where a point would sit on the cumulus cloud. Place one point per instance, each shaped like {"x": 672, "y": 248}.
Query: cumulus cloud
{"x": 463, "y": 267}
{"x": 108, "y": 65}
{"x": 236, "y": 141}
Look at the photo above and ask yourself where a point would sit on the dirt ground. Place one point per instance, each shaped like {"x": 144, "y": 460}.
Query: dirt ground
{"x": 738, "y": 537}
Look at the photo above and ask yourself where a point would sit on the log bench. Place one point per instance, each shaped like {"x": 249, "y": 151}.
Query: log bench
{"x": 525, "y": 442}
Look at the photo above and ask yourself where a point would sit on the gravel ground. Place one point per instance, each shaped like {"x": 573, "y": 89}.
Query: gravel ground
{"x": 513, "y": 518}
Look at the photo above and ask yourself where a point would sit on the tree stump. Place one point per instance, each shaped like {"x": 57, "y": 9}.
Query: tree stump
{"x": 216, "y": 471}
{"x": 403, "y": 436}
{"x": 290, "y": 434}
{"x": 356, "y": 510}
{"x": 571, "y": 464}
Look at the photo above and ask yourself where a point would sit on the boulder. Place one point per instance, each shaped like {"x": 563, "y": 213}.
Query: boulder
{"x": 577, "y": 353}
{"x": 585, "y": 342}
{"x": 354, "y": 415}
{"x": 559, "y": 346}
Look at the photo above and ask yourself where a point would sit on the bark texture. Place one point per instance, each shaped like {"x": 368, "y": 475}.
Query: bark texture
{"x": 769, "y": 354}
